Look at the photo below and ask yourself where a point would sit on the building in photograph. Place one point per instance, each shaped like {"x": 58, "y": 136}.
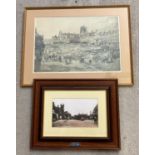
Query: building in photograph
{"x": 59, "y": 113}
{"x": 95, "y": 114}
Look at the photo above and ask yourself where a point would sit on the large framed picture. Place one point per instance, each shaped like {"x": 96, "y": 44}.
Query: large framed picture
{"x": 75, "y": 114}
{"x": 77, "y": 42}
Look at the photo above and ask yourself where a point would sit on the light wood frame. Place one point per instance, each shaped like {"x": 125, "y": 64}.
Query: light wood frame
{"x": 125, "y": 77}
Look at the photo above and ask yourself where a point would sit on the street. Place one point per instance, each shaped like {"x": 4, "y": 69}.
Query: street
{"x": 74, "y": 123}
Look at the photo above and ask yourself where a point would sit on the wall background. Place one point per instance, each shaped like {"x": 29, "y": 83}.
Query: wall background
{"x": 128, "y": 96}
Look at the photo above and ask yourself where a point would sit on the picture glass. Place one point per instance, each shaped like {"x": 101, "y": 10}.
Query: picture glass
{"x": 75, "y": 114}
{"x": 77, "y": 44}
{"x": 70, "y": 113}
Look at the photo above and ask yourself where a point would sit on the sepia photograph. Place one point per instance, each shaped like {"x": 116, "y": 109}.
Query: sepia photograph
{"x": 75, "y": 113}
{"x": 77, "y": 44}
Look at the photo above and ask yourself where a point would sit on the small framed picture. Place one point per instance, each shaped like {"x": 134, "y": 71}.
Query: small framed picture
{"x": 75, "y": 114}
{"x": 77, "y": 43}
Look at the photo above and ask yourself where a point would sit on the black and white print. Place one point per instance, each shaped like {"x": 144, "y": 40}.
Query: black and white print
{"x": 77, "y": 44}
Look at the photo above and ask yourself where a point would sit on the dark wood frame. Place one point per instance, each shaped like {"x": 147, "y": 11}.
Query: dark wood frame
{"x": 113, "y": 140}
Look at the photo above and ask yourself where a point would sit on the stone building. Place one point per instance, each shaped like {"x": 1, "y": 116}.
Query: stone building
{"x": 83, "y": 30}
{"x": 58, "y": 113}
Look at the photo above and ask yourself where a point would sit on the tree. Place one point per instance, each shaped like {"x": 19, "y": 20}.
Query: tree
{"x": 39, "y": 48}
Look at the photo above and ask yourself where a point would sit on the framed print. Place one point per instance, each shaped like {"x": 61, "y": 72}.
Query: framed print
{"x": 77, "y": 43}
{"x": 75, "y": 114}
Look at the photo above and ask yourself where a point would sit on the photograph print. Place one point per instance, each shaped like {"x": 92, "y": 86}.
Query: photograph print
{"x": 77, "y": 44}
{"x": 75, "y": 113}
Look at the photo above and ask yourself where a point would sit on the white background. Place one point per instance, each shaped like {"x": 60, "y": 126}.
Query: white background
{"x": 8, "y": 75}
{"x": 147, "y": 77}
